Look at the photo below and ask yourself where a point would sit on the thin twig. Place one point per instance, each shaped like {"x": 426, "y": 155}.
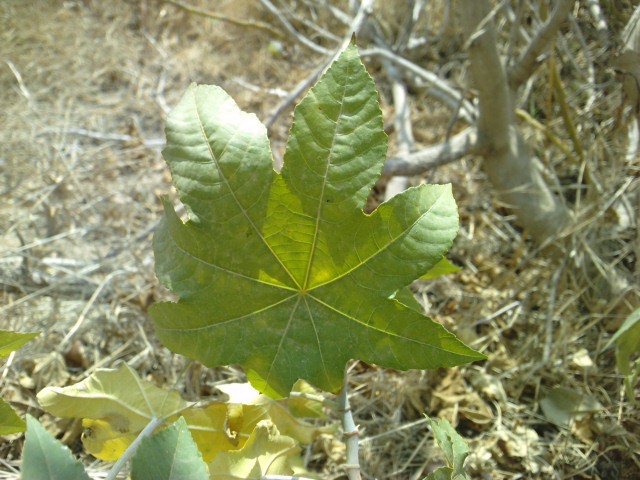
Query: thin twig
{"x": 129, "y": 452}
{"x": 275, "y": 11}
{"x": 528, "y": 62}
{"x": 216, "y": 16}
{"x": 442, "y": 90}
{"x": 23, "y": 88}
{"x": 548, "y": 344}
{"x": 87, "y": 307}
{"x": 460, "y": 145}
{"x": 356, "y": 24}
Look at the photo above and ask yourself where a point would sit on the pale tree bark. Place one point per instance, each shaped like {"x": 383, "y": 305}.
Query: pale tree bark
{"x": 513, "y": 171}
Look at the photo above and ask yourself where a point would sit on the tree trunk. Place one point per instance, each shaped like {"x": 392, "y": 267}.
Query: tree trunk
{"x": 513, "y": 171}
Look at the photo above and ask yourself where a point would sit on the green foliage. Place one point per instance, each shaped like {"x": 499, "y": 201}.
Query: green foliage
{"x": 455, "y": 450}
{"x": 12, "y": 341}
{"x": 627, "y": 341}
{"x": 44, "y": 458}
{"x": 116, "y": 406}
{"x": 285, "y": 274}
{"x": 10, "y": 422}
{"x": 169, "y": 455}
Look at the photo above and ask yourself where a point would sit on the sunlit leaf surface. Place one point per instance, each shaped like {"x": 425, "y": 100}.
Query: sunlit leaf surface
{"x": 283, "y": 273}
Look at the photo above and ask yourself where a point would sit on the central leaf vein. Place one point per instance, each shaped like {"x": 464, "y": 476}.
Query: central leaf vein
{"x": 318, "y": 219}
{"x": 235, "y": 197}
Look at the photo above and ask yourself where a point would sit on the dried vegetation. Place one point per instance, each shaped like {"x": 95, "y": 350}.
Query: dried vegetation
{"x": 84, "y": 89}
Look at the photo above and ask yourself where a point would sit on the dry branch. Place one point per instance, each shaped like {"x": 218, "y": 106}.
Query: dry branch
{"x": 528, "y": 62}
{"x": 460, "y": 145}
{"x": 234, "y": 21}
{"x": 511, "y": 168}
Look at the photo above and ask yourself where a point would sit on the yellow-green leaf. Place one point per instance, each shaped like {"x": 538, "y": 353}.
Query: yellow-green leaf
{"x": 12, "y": 341}
{"x": 283, "y": 273}
{"x": 103, "y": 439}
{"x": 443, "y": 267}
{"x": 10, "y": 422}
{"x": 208, "y": 427}
{"x": 265, "y": 453}
{"x": 118, "y": 404}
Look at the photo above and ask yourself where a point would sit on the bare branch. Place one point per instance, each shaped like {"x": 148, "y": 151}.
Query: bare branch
{"x": 234, "y": 21}
{"x": 402, "y": 122}
{"x": 350, "y": 430}
{"x": 356, "y": 24}
{"x": 528, "y": 62}
{"x": 441, "y": 88}
{"x": 460, "y": 145}
{"x": 275, "y": 11}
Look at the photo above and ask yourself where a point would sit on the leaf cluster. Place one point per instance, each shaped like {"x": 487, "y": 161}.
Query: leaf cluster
{"x": 117, "y": 405}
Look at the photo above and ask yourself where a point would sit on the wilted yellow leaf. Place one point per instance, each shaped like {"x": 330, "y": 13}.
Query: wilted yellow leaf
{"x": 247, "y": 407}
{"x": 208, "y": 429}
{"x": 265, "y": 453}
{"x": 103, "y": 439}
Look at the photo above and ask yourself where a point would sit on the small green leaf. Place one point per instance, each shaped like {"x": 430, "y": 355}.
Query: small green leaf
{"x": 44, "y": 458}
{"x": 170, "y": 454}
{"x": 443, "y": 267}
{"x": 563, "y": 405}
{"x": 10, "y": 422}
{"x": 12, "y": 341}
{"x": 455, "y": 449}
{"x": 627, "y": 340}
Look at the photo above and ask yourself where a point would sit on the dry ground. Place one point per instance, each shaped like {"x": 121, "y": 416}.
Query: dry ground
{"x": 84, "y": 89}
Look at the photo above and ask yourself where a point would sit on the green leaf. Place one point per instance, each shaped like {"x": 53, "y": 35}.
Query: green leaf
{"x": 12, "y": 341}
{"x": 170, "y": 454}
{"x": 562, "y": 405}
{"x": 116, "y": 405}
{"x": 44, "y": 458}
{"x": 10, "y": 422}
{"x": 627, "y": 340}
{"x": 443, "y": 267}
{"x": 285, "y": 274}
{"x": 455, "y": 449}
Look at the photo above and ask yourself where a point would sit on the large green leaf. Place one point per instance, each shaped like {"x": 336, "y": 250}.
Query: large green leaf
{"x": 284, "y": 273}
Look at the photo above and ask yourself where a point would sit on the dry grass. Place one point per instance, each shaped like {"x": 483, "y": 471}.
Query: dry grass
{"x": 82, "y": 113}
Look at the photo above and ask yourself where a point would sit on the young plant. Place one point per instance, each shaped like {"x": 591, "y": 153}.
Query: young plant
{"x": 282, "y": 273}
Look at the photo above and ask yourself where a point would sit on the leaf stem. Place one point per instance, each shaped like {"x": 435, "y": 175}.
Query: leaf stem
{"x": 351, "y": 434}
{"x": 126, "y": 456}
